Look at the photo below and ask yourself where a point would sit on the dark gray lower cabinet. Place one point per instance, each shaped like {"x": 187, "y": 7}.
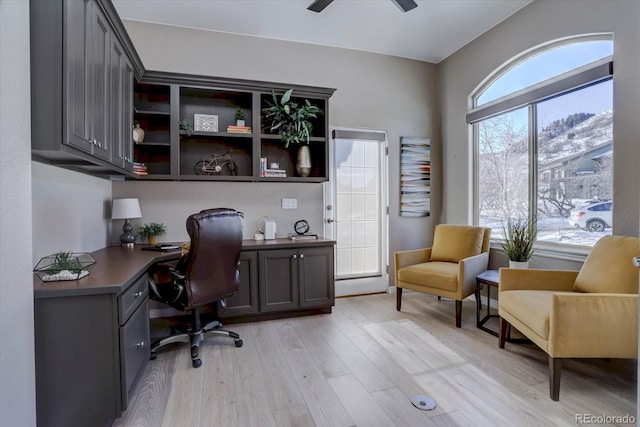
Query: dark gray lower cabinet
{"x": 283, "y": 280}
{"x": 245, "y": 300}
{"x": 90, "y": 350}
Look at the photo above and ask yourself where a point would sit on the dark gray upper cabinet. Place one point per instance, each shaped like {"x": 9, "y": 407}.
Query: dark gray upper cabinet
{"x": 82, "y": 70}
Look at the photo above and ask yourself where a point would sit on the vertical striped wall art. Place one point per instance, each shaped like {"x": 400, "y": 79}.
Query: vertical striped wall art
{"x": 415, "y": 176}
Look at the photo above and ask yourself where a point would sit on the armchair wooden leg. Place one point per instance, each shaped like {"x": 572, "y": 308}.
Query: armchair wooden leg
{"x": 439, "y": 298}
{"x": 458, "y": 314}
{"x": 555, "y": 364}
{"x": 398, "y": 298}
{"x": 504, "y": 327}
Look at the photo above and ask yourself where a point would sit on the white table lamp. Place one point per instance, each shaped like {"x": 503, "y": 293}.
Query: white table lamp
{"x": 126, "y": 209}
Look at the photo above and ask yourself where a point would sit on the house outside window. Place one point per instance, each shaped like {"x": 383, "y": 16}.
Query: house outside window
{"x": 543, "y": 142}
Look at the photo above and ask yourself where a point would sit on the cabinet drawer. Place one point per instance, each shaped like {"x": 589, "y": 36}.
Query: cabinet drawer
{"x": 129, "y": 300}
{"x": 134, "y": 349}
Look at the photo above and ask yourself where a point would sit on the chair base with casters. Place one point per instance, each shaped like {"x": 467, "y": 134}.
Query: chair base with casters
{"x": 194, "y": 335}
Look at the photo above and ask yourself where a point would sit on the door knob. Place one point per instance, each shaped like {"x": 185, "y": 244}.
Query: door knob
{"x": 330, "y": 220}
{"x": 636, "y": 261}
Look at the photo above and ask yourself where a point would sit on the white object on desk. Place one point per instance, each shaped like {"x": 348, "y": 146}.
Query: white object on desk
{"x": 269, "y": 229}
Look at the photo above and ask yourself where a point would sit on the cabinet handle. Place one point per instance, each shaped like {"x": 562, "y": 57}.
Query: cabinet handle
{"x": 99, "y": 144}
{"x": 295, "y": 256}
{"x": 301, "y": 255}
{"x": 140, "y": 344}
{"x": 137, "y": 294}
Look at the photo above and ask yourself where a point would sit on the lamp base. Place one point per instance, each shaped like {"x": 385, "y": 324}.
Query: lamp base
{"x": 127, "y": 237}
{"x": 127, "y": 245}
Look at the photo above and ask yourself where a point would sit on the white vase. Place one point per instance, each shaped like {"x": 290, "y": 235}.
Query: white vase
{"x": 518, "y": 264}
{"x": 138, "y": 134}
{"x": 239, "y": 122}
{"x": 303, "y": 165}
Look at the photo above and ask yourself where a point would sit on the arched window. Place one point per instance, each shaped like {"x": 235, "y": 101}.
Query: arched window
{"x": 544, "y": 143}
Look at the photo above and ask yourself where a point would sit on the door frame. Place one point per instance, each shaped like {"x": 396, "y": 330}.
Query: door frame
{"x": 366, "y": 285}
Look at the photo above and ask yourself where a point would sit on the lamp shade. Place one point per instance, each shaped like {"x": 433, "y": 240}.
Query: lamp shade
{"x": 125, "y": 208}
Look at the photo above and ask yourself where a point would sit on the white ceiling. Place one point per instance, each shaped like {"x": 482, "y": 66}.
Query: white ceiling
{"x": 430, "y": 32}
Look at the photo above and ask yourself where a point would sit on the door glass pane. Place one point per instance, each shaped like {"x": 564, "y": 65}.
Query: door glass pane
{"x": 503, "y": 169}
{"x": 575, "y": 166}
{"x": 358, "y": 208}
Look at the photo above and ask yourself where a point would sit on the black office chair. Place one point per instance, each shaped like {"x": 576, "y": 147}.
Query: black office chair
{"x": 208, "y": 273}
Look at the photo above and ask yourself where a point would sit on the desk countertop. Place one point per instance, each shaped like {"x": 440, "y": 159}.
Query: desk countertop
{"x": 117, "y": 268}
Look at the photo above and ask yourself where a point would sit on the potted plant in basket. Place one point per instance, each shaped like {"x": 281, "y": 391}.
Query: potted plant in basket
{"x": 519, "y": 237}
{"x": 152, "y": 231}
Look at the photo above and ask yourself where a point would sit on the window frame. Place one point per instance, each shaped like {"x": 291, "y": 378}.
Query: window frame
{"x": 576, "y": 79}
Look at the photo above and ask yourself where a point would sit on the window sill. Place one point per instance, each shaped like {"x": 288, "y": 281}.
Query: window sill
{"x": 556, "y": 251}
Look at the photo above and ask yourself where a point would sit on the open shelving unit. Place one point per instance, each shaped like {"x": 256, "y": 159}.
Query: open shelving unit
{"x": 171, "y": 152}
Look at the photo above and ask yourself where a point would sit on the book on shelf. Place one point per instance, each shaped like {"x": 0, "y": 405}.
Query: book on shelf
{"x": 141, "y": 172}
{"x": 263, "y": 166}
{"x": 238, "y": 129}
{"x": 275, "y": 173}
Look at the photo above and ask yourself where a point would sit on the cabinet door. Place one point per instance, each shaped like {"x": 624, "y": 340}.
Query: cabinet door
{"x": 121, "y": 106}
{"x": 245, "y": 300}
{"x": 99, "y": 76}
{"x": 127, "y": 114}
{"x": 78, "y": 20}
{"x": 134, "y": 349}
{"x": 316, "y": 277}
{"x": 278, "y": 273}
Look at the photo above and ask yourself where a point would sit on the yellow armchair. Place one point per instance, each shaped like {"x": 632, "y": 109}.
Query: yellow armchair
{"x": 590, "y": 313}
{"x": 448, "y": 268}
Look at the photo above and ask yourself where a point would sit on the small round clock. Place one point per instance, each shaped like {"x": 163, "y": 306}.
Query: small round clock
{"x": 301, "y": 227}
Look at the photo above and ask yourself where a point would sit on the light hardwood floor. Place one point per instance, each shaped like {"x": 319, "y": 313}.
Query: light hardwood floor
{"x": 360, "y": 365}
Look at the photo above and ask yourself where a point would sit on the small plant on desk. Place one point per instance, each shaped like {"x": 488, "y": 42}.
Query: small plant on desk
{"x": 151, "y": 232}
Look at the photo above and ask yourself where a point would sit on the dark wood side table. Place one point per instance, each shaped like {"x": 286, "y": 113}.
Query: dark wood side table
{"x": 491, "y": 278}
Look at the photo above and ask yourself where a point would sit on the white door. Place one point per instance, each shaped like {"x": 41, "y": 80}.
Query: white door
{"x": 356, "y": 210}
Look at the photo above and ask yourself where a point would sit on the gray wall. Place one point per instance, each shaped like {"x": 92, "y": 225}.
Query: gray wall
{"x": 17, "y": 375}
{"x": 540, "y": 22}
{"x": 71, "y": 211}
{"x": 373, "y": 91}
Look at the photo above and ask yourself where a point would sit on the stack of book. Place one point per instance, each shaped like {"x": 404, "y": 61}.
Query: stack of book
{"x": 140, "y": 168}
{"x": 238, "y": 129}
{"x": 270, "y": 173}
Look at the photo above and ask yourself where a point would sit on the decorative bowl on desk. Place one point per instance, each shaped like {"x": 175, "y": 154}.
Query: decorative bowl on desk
{"x": 64, "y": 266}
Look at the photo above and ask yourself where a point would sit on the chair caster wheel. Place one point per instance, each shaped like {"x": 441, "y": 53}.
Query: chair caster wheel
{"x": 153, "y": 355}
{"x": 238, "y": 342}
{"x": 196, "y": 363}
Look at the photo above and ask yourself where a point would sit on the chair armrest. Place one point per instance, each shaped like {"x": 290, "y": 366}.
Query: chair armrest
{"x": 416, "y": 256}
{"x": 512, "y": 279}
{"x": 593, "y": 325}
{"x": 469, "y": 268}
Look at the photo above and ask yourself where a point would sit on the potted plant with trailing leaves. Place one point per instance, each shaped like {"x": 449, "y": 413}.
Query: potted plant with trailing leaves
{"x": 152, "y": 231}
{"x": 519, "y": 237}
{"x": 291, "y": 119}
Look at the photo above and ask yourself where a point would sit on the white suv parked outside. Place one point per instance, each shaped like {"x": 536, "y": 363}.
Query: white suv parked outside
{"x": 593, "y": 216}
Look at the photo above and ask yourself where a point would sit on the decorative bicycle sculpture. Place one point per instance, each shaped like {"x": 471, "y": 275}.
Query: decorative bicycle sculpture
{"x": 215, "y": 165}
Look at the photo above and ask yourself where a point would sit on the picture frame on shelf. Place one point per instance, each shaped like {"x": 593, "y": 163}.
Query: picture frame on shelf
{"x": 205, "y": 123}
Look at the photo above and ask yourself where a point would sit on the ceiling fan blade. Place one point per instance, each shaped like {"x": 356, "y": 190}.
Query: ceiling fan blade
{"x": 405, "y": 5}
{"x": 319, "y": 5}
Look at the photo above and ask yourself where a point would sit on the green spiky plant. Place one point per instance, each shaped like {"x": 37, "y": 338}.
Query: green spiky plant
{"x": 519, "y": 237}
{"x": 240, "y": 115}
{"x": 290, "y": 118}
{"x": 63, "y": 260}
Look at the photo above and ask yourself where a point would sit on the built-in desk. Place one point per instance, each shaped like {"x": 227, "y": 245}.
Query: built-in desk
{"x": 92, "y": 335}
{"x": 92, "y": 338}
